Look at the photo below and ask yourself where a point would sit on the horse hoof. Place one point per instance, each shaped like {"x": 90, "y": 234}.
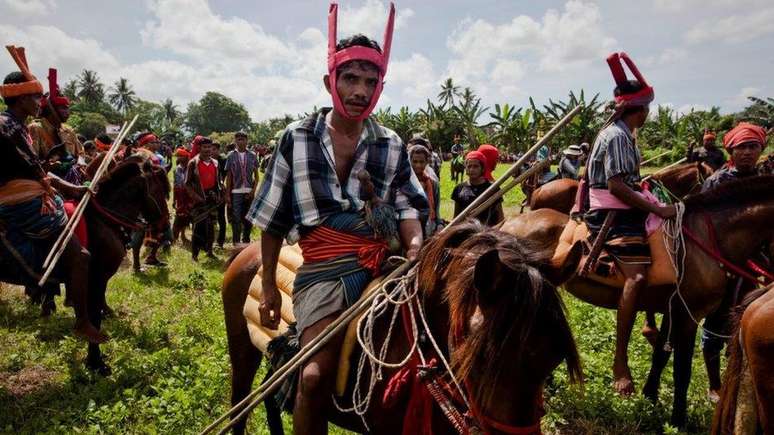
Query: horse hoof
{"x": 99, "y": 367}
{"x": 47, "y": 308}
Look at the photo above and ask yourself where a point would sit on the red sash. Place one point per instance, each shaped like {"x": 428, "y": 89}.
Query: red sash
{"x": 323, "y": 243}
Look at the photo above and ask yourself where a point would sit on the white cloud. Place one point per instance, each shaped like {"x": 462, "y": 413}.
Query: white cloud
{"x": 494, "y": 58}
{"x": 369, "y": 19}
{"x": 671, "y": 6}
{"x": 740, "y": 99}
{"x": 30, "y": 7}
{"x": 688, "y": 108}
{"x": 669, "y": 56}
{"x": 416, "y": 77}
{"x": 733, "y": 28}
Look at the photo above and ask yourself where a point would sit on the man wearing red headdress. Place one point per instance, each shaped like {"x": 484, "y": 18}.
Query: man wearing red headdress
{"x": 312, "y": 193}
{"x": 615, "y": 198}
{"x": 709, "y": 153}
{"x": 50, "y": 129}
{"x": 744, "y": 143}
{"x": 31, "y": 209}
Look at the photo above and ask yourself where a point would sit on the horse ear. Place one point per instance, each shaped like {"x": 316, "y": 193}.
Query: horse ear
{"x": 560, "y": 275}
{"x": 488, "y": 275}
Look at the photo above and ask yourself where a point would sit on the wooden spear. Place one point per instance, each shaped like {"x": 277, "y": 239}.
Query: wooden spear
{"x": 67, "y": 234}
{"x": 275, "y": 380}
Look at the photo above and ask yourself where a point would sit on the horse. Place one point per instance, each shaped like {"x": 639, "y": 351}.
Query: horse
{"x": 123, "y": 194}
{"x": 746, "y": 403}
{"x": 741, "y": 211}
{"x": 680, "y": 181}
{"x": 457, "y": 166}
{"x": 509, "y": 333}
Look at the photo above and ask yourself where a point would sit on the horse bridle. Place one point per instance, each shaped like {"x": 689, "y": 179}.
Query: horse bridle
{"x": 122, "y": 220}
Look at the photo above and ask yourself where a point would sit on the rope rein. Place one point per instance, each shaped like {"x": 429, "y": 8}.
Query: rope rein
{"x": 674, "y": 239}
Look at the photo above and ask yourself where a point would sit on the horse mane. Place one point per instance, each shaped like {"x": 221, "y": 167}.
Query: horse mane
{"x": 733, "y": 194}
{"x": 533, "y": 303}
{"x": 725, "y": 412}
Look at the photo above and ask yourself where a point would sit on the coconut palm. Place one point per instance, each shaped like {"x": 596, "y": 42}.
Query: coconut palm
{"x": 122, "y": 96}
{"x": 760, "y": 112}
{"x": 170, "y": 111}
{"x": 448, "y": 91}
{"x": 468, "y": 111}
{"x": 91, "y": 90}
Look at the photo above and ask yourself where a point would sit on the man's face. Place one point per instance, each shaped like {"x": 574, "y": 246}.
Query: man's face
{"x": 456, "y": 138}
{"x": 91, "y": 151}
{"x": 153, "y": 146}
{"x": 241, "y": 142}
{"x": 745, "y": 156}
{"x": 206, "y": 150}
{"x": 356, "y": 84}
{"x": 419, "y": 163}
{"x": 30, "y": 104}
{"x": 643, "y": 116}
{"x": 709, "y": 143}
{"x": 473, "y": 168}
{"x": 63, "y": 112}
{"x": 182, "y": 161}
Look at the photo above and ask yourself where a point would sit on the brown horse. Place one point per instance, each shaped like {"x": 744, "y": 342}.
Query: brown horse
{"x": 681, "y": 181}
{"x": 125, "y": 193}
{"x": 510, "y": 330}
{"x": 746, "y": 403}
{"x": 740, "y": 211}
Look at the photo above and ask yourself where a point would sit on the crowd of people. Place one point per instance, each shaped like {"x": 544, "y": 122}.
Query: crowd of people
{"x": 313, "y": 193}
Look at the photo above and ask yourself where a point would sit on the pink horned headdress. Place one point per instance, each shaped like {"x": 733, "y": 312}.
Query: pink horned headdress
{"x": 338, "y": 58}
{"x": 640, "y": 98}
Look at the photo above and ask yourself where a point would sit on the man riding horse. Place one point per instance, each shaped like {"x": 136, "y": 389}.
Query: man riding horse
{"x": 617, "y": 210}
{"x": 744, "y": 143}
{"x": 31, "y": 208}
{"x": 312, "y": 191}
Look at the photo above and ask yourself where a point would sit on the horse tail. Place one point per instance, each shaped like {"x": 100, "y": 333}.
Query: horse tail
{"x": 725, "y": 412}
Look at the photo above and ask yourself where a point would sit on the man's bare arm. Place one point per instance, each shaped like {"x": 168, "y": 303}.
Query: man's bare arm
{"x": 411, "y": 237}
{"x": 270, "y": 301}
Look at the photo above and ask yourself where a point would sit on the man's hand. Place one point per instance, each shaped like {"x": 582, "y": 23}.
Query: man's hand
{"x": 411, "y": 237}
{"x": 270, "y": 304}
{"x": 667, "y": 212}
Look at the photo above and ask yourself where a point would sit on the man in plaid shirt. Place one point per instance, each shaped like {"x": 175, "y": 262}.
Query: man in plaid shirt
{"x": 312, "y": 191}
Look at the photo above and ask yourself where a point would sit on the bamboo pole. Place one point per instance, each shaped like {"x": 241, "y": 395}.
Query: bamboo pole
{"x": 259, "y": 394}
{"x": 654, "y": 158}
{"x": 68, "y": 233}
{"x": 679, "y": 162}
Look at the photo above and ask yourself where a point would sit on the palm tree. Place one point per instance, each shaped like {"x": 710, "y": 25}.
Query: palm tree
{"x": 122, "y": 96}
{"x": 760, "y": 112}
{"x": 91, "y": 90}
{"x": 170, "y": 111}
{"x": 468, "y": 111}
{"x": 70, "y": 90}
{"x": 448, "y": 92}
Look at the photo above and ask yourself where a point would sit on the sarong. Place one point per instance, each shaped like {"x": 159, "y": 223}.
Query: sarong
{"x": 340, "y": 258}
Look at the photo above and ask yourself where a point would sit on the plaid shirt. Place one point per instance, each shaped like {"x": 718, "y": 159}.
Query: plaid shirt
{"x": 301, "y": 186}
{"x": 614, "y": 153}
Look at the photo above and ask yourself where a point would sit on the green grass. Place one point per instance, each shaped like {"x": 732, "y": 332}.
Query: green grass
{"x": 171, "y": 371}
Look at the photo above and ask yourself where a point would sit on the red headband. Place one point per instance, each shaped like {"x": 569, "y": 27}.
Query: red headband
{"x": 182, "y": 152}
{"x": 101, "y": 145}
{"x": 709, "y": 136}
{"x": 146, "y": 139}
{"x": 644, "y": 96}
{"x": 743, "y": 133}
{"x": 338, "y": 58}
{"x": 31, "y": 87}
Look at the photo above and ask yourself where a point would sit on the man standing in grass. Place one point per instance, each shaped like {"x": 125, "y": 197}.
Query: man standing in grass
{"x": 241, "y": 179}
{"x": 203, "y": 185}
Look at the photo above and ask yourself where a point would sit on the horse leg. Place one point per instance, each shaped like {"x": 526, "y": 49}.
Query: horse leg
{"x": 245, "y": 359}
{"x": 649, "y": 329}
{"x": 97, "y": 288}
{"x": 684, "y": 344}
{"x": 658, "y": 363}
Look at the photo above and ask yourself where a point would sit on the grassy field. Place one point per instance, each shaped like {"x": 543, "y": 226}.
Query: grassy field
{"x": 171, "y": 371}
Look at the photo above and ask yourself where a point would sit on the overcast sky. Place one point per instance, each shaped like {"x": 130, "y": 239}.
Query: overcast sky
{"x": 270, "y": 55}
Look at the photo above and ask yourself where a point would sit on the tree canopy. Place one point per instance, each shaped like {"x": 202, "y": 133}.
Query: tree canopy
{"x": 216, "y": 112}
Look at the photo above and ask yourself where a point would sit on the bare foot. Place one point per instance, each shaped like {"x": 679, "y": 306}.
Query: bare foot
{"x": 713, "y": 396}
{"x": 651, "y": 334}
{"x": 84, "y": 329}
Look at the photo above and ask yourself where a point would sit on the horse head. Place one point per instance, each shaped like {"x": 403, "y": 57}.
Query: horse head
{"x": 508, "y": 329}
{"x": 132, "y": 189}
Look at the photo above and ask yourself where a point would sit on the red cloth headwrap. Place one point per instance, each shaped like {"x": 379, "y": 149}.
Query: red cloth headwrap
{"x": 182, "y": 152}
{"x": 742, "y": 133}
{"x": 644, "y": 96}
{"x": 146, "y": 139}
{"x": 338, "y": 58}
{"x": 492, "y": 155}
{"x": 478, "y": 155}
{"x": 709, "y": 136}
{"x": 29, "y": 87}
{"x": 196, "y": 142}
{"x": 56, "y": 99}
